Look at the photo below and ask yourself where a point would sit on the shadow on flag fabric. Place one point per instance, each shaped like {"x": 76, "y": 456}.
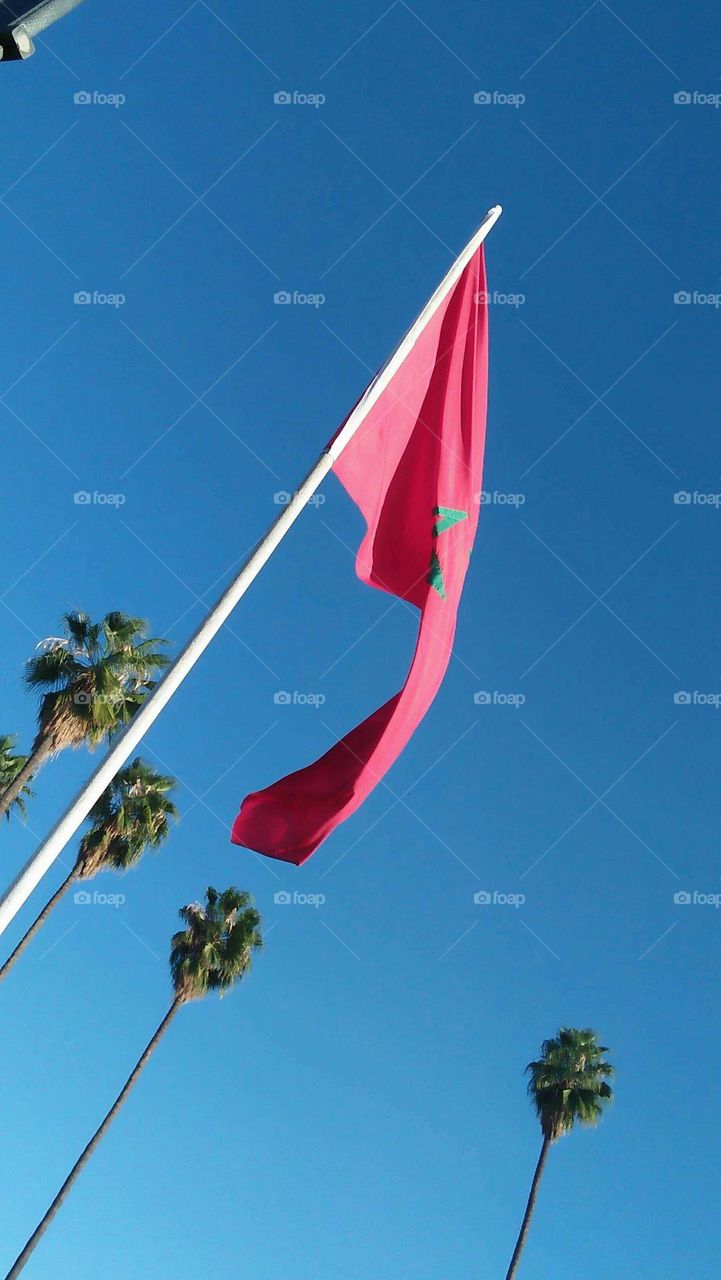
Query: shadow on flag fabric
{"x": 414, "y": 469}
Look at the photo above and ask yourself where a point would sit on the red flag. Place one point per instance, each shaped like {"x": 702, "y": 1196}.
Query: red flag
{"x": 414, "y": 469}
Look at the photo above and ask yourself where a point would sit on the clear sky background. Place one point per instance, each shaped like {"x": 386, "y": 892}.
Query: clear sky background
{"x": 357, "y": 1107}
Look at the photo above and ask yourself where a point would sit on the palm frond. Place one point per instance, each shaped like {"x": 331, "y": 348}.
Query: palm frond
{"x": 569, "y": 1082}
{"x": 94, "y": 678}
{"x": 215, "y": 949}
{"x": 53, "y": 669}
{"x": 11, "y": 762}
{"x": 133, "y": 814}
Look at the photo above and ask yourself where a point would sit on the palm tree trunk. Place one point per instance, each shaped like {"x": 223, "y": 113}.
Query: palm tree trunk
{"x": 35, "y": 760}
{"x": 83, "y": 1158}
{"x": 529, "y": 1210}
{"x": 37, "y": 923}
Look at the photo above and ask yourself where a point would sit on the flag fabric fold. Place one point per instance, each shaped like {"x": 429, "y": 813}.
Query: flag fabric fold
{"x": 414, "y": 469}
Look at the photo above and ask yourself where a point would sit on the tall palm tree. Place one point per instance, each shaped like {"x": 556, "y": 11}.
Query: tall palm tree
{"x": 133, "y": 814}
{"x": 92, "y": 680}
{"x": 11, "y": 762}
{"x": 212, "y": 953}
{"x": 568, "y": 1083}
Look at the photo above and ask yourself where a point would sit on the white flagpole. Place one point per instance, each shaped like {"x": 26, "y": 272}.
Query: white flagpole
{"x": 65, "y": 828}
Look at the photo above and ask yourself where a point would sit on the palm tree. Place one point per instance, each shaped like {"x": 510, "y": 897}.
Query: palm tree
{"x": 10, "y": 765}
{"x": 212, "y": 953}
{"x": 91, "y": 680}
{"x": 133, "y": 814}
{"x": 568, "y": 1083}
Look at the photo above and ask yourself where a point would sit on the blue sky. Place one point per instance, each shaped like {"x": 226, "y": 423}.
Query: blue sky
{"x": 357, "y": 1107}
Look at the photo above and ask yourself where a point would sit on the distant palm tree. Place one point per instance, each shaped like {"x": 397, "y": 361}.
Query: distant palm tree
{"x": 132, "y": 814}
{"x": 568, "y": 1083}
{"x": 212, "y": 953}
{"x": 92, "y": 681}
{"x": 10, "y": 765}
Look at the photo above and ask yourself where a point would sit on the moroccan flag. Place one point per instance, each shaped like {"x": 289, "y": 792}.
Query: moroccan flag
{"x": 414, "y": 469}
